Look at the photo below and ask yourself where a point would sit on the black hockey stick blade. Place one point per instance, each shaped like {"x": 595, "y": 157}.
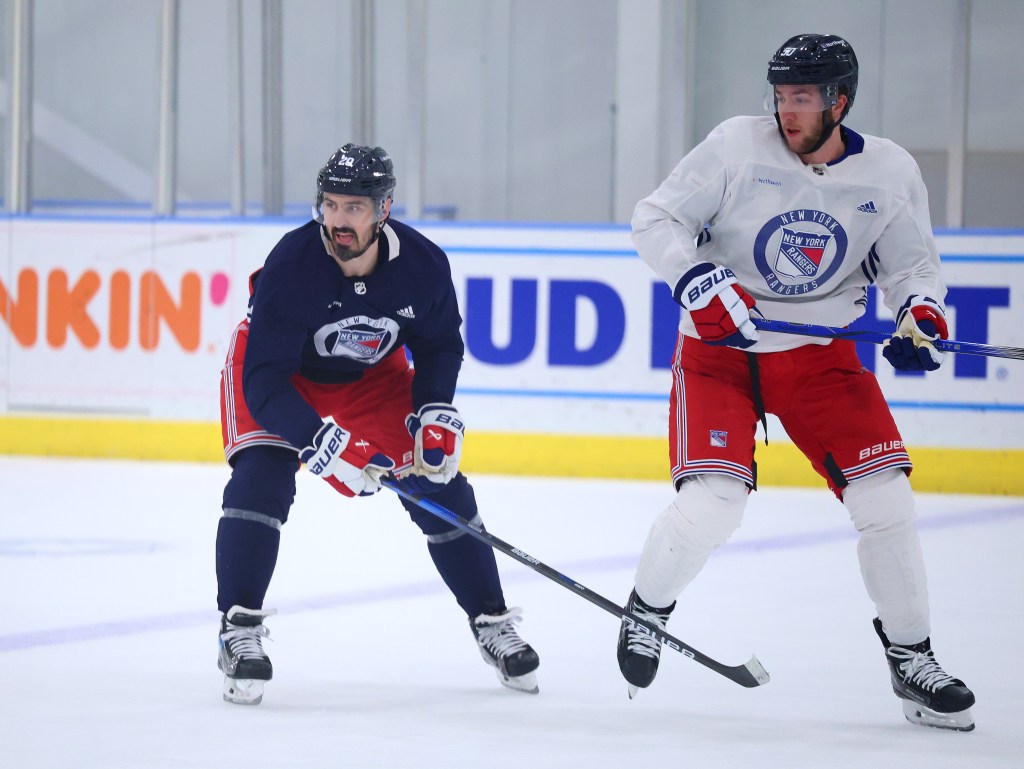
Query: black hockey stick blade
{"x": 749, "y": 674}
{"x": 877, "y": 337}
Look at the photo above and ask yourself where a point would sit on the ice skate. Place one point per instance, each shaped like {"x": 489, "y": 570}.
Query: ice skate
{"x": 245, "y": 666}
{"x": 638, "y": 651}
{"x": 931, "y": 697}
{"x": 501, "y": 647}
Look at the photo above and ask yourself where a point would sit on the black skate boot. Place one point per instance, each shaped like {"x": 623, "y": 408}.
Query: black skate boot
{"x": 638, "y": 651}
{"x": 242, "y": 660}
{"x": 501, "y": 647}
{"x": 931, "y": 697}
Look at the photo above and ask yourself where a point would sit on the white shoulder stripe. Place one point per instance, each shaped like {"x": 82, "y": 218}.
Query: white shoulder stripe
{"x": 393, "y": 242}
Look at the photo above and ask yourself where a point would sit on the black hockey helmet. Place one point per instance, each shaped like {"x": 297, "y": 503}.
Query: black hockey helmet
{"x": 356, "y": 170}
{"x": 824, "y": 60}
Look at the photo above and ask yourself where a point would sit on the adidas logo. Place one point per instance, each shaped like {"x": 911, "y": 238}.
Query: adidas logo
{"x": 868, "y": 208}
{"x": 406, "y": 312}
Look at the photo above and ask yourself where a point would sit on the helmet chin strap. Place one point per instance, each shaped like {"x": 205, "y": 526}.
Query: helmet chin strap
{"x": 828, "y": 125}
{"x": 378, "y": 229}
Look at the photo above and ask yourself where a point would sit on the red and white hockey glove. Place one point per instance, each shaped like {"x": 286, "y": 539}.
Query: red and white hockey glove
{"x": 718, "y": 305}
{"x": 353, "y": 466}
{"x": 919, "y": 322}
{"x": 437, "y": 430}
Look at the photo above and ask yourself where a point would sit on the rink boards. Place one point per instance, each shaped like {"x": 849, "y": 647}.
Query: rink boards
{"x": 113, "y": 334}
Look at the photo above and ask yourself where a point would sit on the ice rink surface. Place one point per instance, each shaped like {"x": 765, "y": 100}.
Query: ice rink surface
{"x": 108, "y": 632}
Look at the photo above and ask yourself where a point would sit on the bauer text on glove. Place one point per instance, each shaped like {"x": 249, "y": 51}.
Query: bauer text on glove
{"x": 352, "y": 465}
{"x": 437, "y": 430}
{"x": 718, "y": 305}
{"x": 919, "y": 322}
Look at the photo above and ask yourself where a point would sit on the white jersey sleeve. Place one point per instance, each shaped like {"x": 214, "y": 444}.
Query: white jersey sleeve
{"x": 667, "y": 224}
{"x": 804, "y": 241}
{"x": 906, "y": 253}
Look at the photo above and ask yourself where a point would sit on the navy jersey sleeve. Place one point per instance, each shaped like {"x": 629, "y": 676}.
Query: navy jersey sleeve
{"x": 277, "y": 332}
{"x": 435, "y": 340}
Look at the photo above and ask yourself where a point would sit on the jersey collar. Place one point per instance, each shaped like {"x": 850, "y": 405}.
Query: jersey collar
{"x": 854, "y": 144}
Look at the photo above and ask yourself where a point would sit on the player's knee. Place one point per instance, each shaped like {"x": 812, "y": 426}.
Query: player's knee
{"x": 881, "y": 502}
{"x": 457, "y": 496}
{"x": 708, "y": 508}
{"x": 262, "y": 482}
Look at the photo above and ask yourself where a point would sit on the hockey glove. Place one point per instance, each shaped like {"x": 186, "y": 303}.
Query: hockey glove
{"x": 437, "y": 431}
{"x": 919, "y": 322}
{"x": 351, "y": 465}
{"x": 718, "y": 305}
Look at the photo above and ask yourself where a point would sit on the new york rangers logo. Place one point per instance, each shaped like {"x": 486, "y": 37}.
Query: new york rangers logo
{"x": 798, "y": 251}
{"x": 360, "y": 338}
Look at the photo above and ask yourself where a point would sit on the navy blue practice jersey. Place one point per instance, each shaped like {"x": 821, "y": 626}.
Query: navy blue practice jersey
{"x": 308, "y": 317}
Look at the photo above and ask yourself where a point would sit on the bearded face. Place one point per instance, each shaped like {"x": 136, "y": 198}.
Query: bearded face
{"x": 350, "y": 225}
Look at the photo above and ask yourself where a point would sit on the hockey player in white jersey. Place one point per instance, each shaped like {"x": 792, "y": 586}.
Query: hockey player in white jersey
{"x": 793, "y": 216}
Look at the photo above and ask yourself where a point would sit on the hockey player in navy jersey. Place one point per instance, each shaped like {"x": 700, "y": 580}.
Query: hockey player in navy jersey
{"x": 794, "y": 216}
{"x": 318, "y": 375}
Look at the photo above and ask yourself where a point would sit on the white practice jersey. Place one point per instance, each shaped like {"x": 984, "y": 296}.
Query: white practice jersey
{"x": 804, "y": 241}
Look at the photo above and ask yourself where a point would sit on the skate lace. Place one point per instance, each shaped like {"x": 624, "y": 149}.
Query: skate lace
{"x": 638, "y": 640}
{"x": 501, "y": 637}
{"x": 246, "y": 642}
{"x": 921, "y": 668}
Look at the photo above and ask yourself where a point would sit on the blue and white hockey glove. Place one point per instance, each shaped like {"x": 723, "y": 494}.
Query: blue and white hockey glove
{"x": 437, "y": 430}
{"x": 718, "y": 305}
{"x": 919, "y": 322}
{"x": 353, "y": 466}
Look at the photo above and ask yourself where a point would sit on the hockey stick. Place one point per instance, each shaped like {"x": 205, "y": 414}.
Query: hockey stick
{"x": 877, "y": 337}
{"x": 750, "y": 674}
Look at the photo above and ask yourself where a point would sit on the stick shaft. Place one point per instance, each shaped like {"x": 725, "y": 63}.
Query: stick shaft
{"x": 878, "y": 337}
{"x": 750, "y": 675}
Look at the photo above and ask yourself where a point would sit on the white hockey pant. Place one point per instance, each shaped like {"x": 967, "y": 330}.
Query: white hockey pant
{"x": 705, "y": 512}
{"x": 881, "y": 507}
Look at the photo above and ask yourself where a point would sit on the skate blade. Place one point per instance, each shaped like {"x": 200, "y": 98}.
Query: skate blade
{"x": 922, "y": 716}
{"x": 525, "y": 683}
{"x": 632, "y": 690}
{"x": 243, "y": 691}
